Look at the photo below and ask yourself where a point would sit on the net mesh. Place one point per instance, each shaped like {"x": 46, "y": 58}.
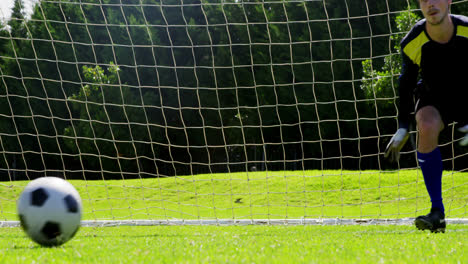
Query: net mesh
{"x": 250, "y": 111}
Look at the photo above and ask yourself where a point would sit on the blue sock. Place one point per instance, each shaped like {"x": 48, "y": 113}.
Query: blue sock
{"x": 431, "y": 167}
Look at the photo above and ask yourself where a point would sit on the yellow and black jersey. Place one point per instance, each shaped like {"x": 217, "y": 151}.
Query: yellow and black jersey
{"x": 439, "y": 68}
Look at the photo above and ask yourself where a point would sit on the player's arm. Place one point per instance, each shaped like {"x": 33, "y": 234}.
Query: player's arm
{"x": 407, "y": 84}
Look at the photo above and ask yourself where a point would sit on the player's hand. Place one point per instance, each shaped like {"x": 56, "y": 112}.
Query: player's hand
{"x": 464, "y": 140}
{"x": 392, "y": 152}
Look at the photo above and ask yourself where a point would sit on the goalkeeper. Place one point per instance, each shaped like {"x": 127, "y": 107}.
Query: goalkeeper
{"x": 434, "y": 52}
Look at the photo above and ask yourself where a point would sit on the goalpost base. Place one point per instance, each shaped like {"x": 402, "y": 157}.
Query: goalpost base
{"x": 228, "y": 222}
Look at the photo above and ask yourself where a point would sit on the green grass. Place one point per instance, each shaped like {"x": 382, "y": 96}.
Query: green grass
{"x": 244, "y": 244}
{"x": 261, "y": 195}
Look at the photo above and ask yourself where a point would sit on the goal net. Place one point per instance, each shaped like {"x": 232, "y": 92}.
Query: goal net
{"x": 215, "y": 111}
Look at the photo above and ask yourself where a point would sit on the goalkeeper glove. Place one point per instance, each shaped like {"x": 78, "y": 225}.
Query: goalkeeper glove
{"x": 464, "y": 140}
{"x": 392, "y": 152}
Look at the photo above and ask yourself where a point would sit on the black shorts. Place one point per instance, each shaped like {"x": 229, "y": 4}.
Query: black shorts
{"x": 450, "y": 106}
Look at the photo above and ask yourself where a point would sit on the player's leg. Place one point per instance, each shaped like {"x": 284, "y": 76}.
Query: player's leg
{"x": 430, "y": 124}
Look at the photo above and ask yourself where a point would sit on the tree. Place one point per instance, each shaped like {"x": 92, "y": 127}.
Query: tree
{"x": 106, "y": 124}
{"x": 199, "y": 87}
{"x": 17, "y": 20}
{"x": 381, "y": 84}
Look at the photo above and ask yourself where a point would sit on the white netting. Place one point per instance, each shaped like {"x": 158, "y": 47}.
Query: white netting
{"x": 230, "y": 110}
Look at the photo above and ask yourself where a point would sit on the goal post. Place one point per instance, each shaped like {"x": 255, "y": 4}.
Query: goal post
{"x": 215, "y": 111}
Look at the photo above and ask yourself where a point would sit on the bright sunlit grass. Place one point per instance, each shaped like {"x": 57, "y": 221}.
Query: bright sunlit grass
{"x": 244, "y": 244}
{"x": 260, "y": 195}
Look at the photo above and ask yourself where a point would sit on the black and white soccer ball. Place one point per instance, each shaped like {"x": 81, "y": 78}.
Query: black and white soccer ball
{"x": 49, "y": 210}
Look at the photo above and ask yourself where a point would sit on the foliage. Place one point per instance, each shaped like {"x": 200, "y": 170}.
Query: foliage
{"x": 200, "y": 87}
{"x": 381, "y": 84}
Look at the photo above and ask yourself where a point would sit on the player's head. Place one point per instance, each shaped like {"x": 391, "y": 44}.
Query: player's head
{"x": 435, "y": 11}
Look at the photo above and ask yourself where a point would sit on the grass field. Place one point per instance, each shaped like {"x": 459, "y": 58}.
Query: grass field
{"x": 244, "y": 244}
{"x": 267, "y": 195}
{"x": 259, "y": 195}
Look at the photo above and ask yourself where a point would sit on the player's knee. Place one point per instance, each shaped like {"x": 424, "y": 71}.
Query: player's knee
{"x": 429, "y": 121}
{"x": 429, "y": 127}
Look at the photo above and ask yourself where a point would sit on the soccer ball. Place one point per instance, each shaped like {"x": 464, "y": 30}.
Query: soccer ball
{"x": 49, "y": 210}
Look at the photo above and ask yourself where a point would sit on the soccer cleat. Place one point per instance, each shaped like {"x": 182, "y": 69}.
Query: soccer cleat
{"x": 434, "y": 221}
